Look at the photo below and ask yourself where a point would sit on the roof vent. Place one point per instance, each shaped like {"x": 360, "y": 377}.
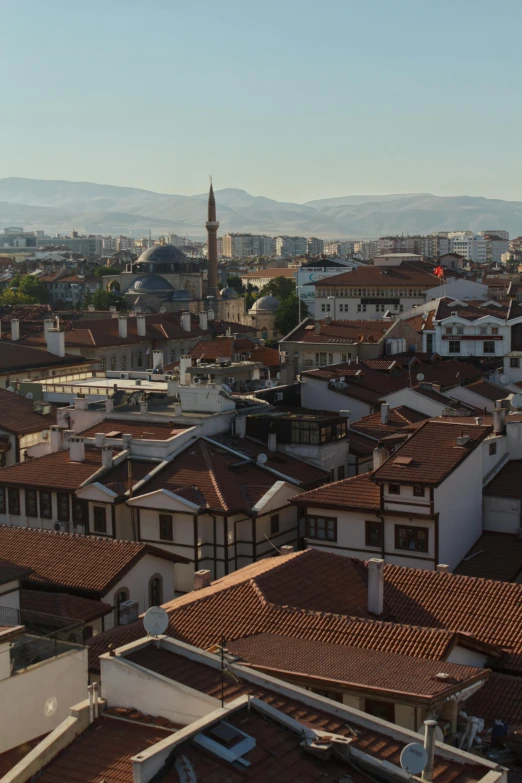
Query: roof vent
{"x": 463, "y": 440}
{"x": 442, "y": 676}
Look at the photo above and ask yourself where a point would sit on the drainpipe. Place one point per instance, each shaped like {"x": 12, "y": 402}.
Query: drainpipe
{"x": 429, "y": 745}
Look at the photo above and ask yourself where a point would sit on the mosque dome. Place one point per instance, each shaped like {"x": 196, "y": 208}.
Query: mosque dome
{"x": 228, "y": 293}
{"x": 181, "y": 296}
{"x": 162, "y": 254}
{"x": 151, "y": 283}
{"x": 266, "y": 303}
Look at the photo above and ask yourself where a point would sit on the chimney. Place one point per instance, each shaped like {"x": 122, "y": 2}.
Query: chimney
{"x": 345, "y": 415}
{"x": 112, "y": 309}
{"x": 184, "y": 362}
{"x": 286, "y": 549}
{"x": 203, "y": 321}
{"x": 201, "y": 579}
{"x": 77, "y": 449}
{"x": 478, "y": 421}
{"x": 272, "y": 441}
{"x": 56, "y": 437}
{"x": 499, "y": 419}
{"x": 15, "y": 330}
{"x": 385, "y": 413}
{"x": 141, "y": 325}
{"x": 144, "y": 406}
{"x": 429, "y": 746}
{"x": 157, "y": 359}
{"x": 109, "y": 405}
{"x": 240, "y": 426}
{"x": 56, "y": 342}
{"x": 80, "y": 403}
{"x": 99, "y": 439}
{"x": 211, "y": 315}
{"x": 185, "y": 322}
{"x": 91, "y": 309}
{"x": 379, "y": 456}
{"x": 442, "y": 569}
{"x": 122, "y": 326}
{"x": 106, "y": 456}
{"x": 376, "y": 586}
{"x": 317, "y": 327}
{"x": 48, "y": 324}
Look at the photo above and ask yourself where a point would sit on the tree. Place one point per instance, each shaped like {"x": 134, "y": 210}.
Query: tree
{"x": 287, "y": 314}
{"x": 280, "y": 287}
{"x": 101, "y": 271}
{"x": 29, "y": 285}
{"x": 11, "y": 297}
{"x": 102, "y": 300}
{"x": 236, "y": 284}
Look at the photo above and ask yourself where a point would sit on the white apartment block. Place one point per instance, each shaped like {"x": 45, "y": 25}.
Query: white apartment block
{"x": 245, "y": 245}
{"x": 315, "y": 246}
{"x": 473, "y": 247}
{"x": 291, "y": 246}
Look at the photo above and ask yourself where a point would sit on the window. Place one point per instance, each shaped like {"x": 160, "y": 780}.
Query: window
{"x": 172, "y": 355}
{"x": 139, "y": 359}
{"x": 80, "y": 510}
{"x": 113, "y": 362}
{"x": 155, "y": 591}
{"x": 46, "y": 505}
{"x": 414, "y": 539}
{"x": 100, "y": 519}
{"x": 394, "y": 489}
{"x": 13, "y": 496}
{"x": 492, "y": 448}
{"x": 373, "y": 533}
{"x": 340, "y": 473}
{"x": 322, "y": 528}
{"x": 165, "y": 527}
{"x": 418, "y": 491}
{"x": 274, "y": 524}
{"x": 124, "y": 361}
{"x": 514, "y": 363}
{"x": 3, "y": 507}
{"x": 63, "y": 507}
{"x": 31, "y": 503}
{"x": 429, "y": 343}
{"x": 103, "y": 363}
{"x": 483, "y": 329}
{"x": 489, "y": 346}
{"x": 380, "y": 709}
{"x": 454, "y": 346}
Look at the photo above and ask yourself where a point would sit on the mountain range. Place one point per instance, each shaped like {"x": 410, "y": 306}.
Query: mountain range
{"x": 60, "y": 206}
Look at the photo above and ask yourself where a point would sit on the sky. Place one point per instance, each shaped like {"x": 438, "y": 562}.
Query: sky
{"x": 291, "y": 99}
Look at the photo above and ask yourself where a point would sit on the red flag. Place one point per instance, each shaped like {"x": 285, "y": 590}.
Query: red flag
{"x": 439, "y": 271}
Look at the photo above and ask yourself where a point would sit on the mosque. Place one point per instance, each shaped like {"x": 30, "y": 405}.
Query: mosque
{"x": 164, "y": 279}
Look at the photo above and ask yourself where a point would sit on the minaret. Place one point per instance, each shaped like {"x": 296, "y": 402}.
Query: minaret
{"x": 212, "y": 226}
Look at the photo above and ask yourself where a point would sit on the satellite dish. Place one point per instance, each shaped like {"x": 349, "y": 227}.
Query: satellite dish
{"x": 155, "y": 621}
{"x": 29, "y": 396}
{"x": 10, "y": 388}
{"x": 268, "y": 383}
{"x": 516, "y": 401}
{"x": 262, "y": 459}
{"x": 414, "y": 758}
{"x": 504, "y": 379}
{"x": 420, "y": 376}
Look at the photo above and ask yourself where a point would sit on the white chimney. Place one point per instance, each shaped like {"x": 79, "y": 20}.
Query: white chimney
{"x": 272, "y": 441}
{"x": 385, "y": 413}
{"x": 106, "y": 456}
{"x": 15, "y": 330}
{"x": 211, "y": 315}
{"x": 48, "y": 324}
{"x": 240, "y": 426}
{"x": 141, "y": 325}
{"x": 56, "y": 437}
{"x": 201, "y": 579}
{"x": 99, "y": 439}
{"x": 77, "y": 449}
{"x": 126, "y": 440}
{"x": 157, "y": 359}
{"x": 109, "y": 405}
{"x": 81, "y": 403}
{"x": 286, "y": 549}
{"x": 379, "y": 456}
{"x": 56, "y": 342}
{"x": 229, "y": 332}
{"x": 375, "y": 586}
{"x": 122, "y": 326}
{"x": 184, "y": 362}
{"x": 185, "y": 322}
{"x": 144, "y": 406}
{"x": 499, "y": 419}
{"x": 317, "y": 327}
{"x": 442, "y": 569}
{"x": 203, "y": 321}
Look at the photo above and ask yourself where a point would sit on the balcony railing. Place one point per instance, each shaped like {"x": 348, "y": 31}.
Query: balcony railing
{"x": 38, "y": 623}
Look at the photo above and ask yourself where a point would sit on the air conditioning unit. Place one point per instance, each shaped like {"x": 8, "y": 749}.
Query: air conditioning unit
{"x": 124, "y": 374}
{"x": 129, "y": 612}
{"x": 60, "y": 527}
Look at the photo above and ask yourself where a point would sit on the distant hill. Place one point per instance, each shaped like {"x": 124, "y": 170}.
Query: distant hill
{"x": 56, "y": 205}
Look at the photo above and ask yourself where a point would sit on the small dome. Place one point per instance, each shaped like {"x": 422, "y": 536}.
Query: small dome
{"x": 228, "y": 293}
{"x": 266, "y": 303}
{"x": 181, "y": 296}
{"x": 163, "y": 254}
{"x": 151, "y": 283}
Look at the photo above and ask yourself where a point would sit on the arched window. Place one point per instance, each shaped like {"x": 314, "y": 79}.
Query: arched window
{"x": 121, "y": 596}
{"x": 156, "y": 590}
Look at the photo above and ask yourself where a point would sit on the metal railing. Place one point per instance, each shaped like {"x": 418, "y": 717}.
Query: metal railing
{"x": 28, "y": 652}
{"x": 38, "y": 623}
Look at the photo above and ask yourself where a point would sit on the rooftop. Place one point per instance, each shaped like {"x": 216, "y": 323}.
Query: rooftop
{"x": 405, "y": 274}
{"x": 340, "y": 331}
{"x": 18, "y": 415}
{"x": 140, "y": 430}
{"x": 53, "y": 471}
{"x": 17, "y": 357}
{"x": 508, "y": 481}
{"x": 399, "y": 418}
{"x": 494, "y": 556}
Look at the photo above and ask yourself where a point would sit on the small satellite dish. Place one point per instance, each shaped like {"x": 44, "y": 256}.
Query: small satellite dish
{"x": 504, "y": 379}
{"x": 268, "y": 383}
{"x": 155, "y": 621}
{"x": 414, "y": 758}
{"x": 10, "y": 388}
{"x": 29, "y": 396}
{"x": 262, "y": 459}
{"x": 420, "y": 377}
{"x": 516, "y": 401}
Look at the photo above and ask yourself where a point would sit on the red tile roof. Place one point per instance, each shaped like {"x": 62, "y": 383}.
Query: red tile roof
{"x": 494, "y": 556}
{"x": 499, "y": 698}
{"x": 341, "y": 332}
{"x": 357, "y": 492}
{"x": 508, "y": 481}
{"x": 62, "y": 605}
{"x": 84, "y": 563}
{"x": 17, "y": 414}
{"x": 396, "y": 276}
{"x": 353, "y": 667}
{"x": 211, "y": 350}
{"x": 433, "y": 452}
{"x": 488, "y": 390}
{"x": 53, "y": 471}
{"x": 16, "y": 357}
{"x": 269, "y": 357}
{"x": 399, "y": 418}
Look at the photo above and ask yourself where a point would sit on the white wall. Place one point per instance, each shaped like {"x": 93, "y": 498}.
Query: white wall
{"x": 10, "y": 595}
{"x": 416, "y": 401}
{"x": 501, "y": 515}
{"x": 467, "y": 657}
{"x": 465, "y": 394}
{"x": 316, "y": 394}
{"x": 137, "y": 583}
{"x": 38, "y": 699}
{"x": 328, "y": 456}
{"x": 459, "y": 288}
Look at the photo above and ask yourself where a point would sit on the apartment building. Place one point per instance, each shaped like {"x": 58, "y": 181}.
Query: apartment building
{"x": 245, "y": 245}
{"x": 366, "y": 249}
{"x": 472, "y": 247}
{"x": 314, "y": 246}
{"x": 290, "y": 246}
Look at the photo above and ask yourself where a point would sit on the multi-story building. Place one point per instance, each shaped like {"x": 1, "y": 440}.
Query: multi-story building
{"x": 245, "y": 245}
{"x": 472, "y": 247}
{"x": 176, "y": 240}
{"x": 495, "y": 232}
{"x": 314, "y": 246}
{"x": 91, "y": 246}
{"x": 366, "y": 250}
{"x": 496, "y": 246}
{"x": 332, "y": 248}
{"x": 290, "y": 246}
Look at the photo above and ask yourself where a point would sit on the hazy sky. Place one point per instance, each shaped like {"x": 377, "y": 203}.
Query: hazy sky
{"x": 292, "y": 99}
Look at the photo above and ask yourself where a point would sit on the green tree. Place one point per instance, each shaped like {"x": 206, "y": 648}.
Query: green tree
{"x": 280, "y": 287}
{"x": 102, "y": 300}
{"x": 101, "y": 271}
{"x": 28, "y": 285}
{"x": 287, "y": 314}
{"x": 236, "y": 284}
{"x": 11, "y": 297}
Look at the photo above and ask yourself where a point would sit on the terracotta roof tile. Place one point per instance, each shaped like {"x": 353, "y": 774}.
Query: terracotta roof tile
{"x": 500, "y": 698}
{"x": 508, "y": 481}
{"x": 399, "y": 418}
{"x": 79, "y": 562}
{"x": 403, "y": 275}
{"x": 356, "y": 492}
{"x": 17, "y": 414}
{"x": 15, "y": 356}
{"x": 53, "y": 471}
{"x": 211, "y": 350}
{"x": 494, "y": 556}
{"x": 62, "y": 605}
{"x": 488, "y": 390}
{"x": 341, "y": 331}
{"x": 269, "y": 357}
